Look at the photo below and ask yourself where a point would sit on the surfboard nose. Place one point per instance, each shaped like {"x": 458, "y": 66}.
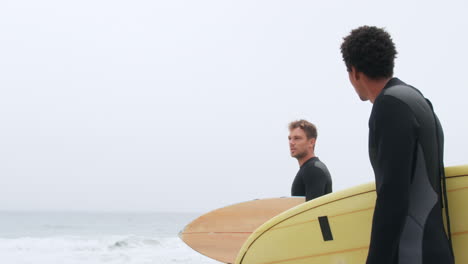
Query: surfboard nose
{"x": 220, "y": 234}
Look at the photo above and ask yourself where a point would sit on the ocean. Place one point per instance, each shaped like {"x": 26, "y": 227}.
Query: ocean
{"x": 95, "y": 238}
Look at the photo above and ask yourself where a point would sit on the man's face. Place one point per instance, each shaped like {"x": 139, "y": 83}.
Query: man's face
{"x": 299, "y": 145}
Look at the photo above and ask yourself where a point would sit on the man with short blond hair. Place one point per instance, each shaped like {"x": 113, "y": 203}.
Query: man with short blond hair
{"x": 313, "y": 178}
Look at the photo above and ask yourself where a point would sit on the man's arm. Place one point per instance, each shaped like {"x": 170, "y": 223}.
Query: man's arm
{"x": 315, "y": 181}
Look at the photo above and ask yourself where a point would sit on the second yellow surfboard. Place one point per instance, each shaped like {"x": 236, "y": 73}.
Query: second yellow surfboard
{"x": 297, "y": 236}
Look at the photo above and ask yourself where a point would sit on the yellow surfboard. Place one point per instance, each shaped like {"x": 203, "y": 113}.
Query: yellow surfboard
{"x": 219, "y": 234}
{"x": 335, "y": 228}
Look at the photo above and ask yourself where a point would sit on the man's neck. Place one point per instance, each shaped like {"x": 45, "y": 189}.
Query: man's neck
{"x": 304, "y": 159}
{"x": 375, "y": 87}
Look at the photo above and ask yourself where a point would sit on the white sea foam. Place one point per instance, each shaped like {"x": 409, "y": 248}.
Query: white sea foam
{"x": 109, "y": 249}
{"x": 95, "y": 238}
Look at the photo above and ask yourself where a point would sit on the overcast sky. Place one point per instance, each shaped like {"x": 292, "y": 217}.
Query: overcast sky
{"x": 183, "y": 105}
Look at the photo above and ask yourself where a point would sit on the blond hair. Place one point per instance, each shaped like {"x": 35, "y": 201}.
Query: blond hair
{"x": 309, "y": 128}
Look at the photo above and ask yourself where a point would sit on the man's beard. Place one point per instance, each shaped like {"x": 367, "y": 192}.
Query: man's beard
{"x": 299, "y": 155}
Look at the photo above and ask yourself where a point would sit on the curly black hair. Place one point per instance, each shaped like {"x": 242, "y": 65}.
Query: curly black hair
{"x": 370, "y": 50}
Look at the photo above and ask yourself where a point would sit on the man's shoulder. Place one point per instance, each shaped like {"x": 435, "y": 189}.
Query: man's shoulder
{"x": 400, "y": 91}
{"x": 403, "y": 99}
{"x": 403, "y": 92}
{"x": 315, "y": 165}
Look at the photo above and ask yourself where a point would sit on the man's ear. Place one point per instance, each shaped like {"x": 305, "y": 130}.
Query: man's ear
{"x": 356, "y": 74}
{"x": 312, "y": 141}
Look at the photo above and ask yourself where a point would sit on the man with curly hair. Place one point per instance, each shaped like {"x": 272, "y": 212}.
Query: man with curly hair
{"x": 406, "y": 153}
{"x": 313, "y": 178}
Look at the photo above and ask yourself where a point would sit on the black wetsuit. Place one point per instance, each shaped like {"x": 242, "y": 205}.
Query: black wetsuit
{"x": 312, "y": 180}
{"x": 406, "y": 152}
